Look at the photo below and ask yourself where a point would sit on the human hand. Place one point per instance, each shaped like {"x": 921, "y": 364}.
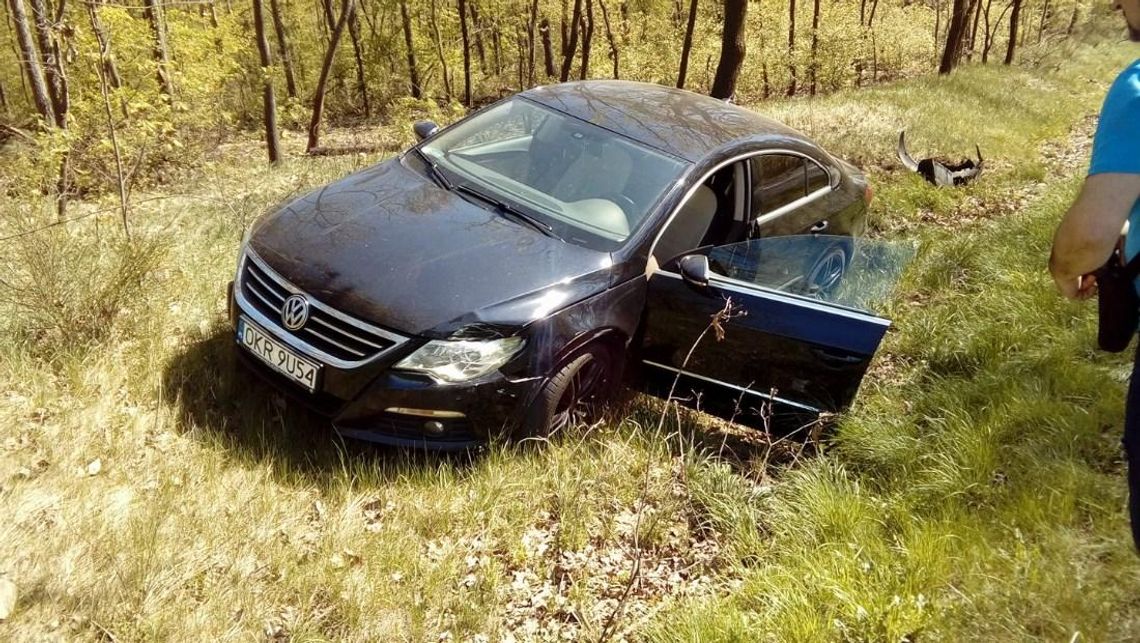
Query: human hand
{"x": 1083, "y": 287}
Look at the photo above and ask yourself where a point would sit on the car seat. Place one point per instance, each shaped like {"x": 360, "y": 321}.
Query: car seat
{"x": 689, "y": 226}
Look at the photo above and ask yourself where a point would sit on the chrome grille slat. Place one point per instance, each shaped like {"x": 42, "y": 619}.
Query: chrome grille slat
{"x": 341, "y": 340}
{"x": 261, "y": 280}
{"x": 271, "y": 305}
{"x": 346, "y": 333}
{"x": 309, "y": 330}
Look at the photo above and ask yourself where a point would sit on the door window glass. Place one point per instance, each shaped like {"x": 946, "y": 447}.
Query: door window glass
{"x": 817, "y": 177}
{"x": 777, "y": 180}
{"x": 847, "y": 271}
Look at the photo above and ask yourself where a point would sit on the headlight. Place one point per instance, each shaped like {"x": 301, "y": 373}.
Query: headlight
{"x": 450, "y": 362}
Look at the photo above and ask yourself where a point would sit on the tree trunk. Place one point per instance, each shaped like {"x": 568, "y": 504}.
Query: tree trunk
{"x": 814, "y": 46}
{"x": 531, "y": 28}
{"x": 792, "y": 47}
{"x": 282, "y": 48}
{"x": 547, "y": 47}
{"x": 571, "y": 44}
{"x": 106, "y": 58}
{"x": 1041, "y": 24}
{"x": 480, "y": 50}
{"x": 269, "y": 100}
{"x": 31, "y": 60}
{"x": 413, "y": 71}
{"x": 871, "y": 18}
{"x": 974, "y": 29}
{"x": 732, "y": 49}
{"x": 357, "y": 52}
{"x": 587, "y": 38}
{"x": 462, "y": 6}
{"x": 1013, "y": 18}
{"x": 51, "y": 61}
{"x": 347, "y": 7}
{"x": 161, "y": 51}
{"x": 954, "y": 37}
{"x": 434, "y": 21}
{"x": 1073, "y": 21}
{"x": 687, "y": 45}
{"x": 961, "y": 48}
{"x": 610, "y": 37}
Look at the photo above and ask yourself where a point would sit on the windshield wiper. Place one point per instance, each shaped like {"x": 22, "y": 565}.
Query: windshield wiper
{"x": 507, "y": 208}
{"x": 433, "y": 168}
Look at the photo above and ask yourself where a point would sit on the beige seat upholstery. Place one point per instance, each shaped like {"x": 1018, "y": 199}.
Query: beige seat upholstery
{"x": 688, "y": 228}
{"x": 601, "y": 170}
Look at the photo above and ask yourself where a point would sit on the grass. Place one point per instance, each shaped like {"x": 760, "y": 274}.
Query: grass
{"x": 975, "y": 492}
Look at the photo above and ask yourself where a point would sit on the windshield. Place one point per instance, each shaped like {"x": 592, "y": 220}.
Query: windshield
{"x": 591, "y": 186}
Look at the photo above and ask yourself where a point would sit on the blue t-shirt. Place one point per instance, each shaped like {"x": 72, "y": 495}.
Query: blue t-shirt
{"x": 1116, "y": 146}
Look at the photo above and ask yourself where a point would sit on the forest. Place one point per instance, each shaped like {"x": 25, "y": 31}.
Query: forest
{"x": 113, "y": 95}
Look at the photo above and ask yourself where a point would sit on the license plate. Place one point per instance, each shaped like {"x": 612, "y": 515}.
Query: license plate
{"x": 277, "y": 356}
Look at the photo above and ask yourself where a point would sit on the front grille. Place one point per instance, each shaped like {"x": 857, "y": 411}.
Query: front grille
{"x": 327, "y": 334}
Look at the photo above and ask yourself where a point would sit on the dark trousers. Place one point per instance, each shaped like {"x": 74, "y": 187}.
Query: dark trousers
{"x": 1132, "y": 448}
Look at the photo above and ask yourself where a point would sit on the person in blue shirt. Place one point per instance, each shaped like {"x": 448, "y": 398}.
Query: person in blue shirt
{"x": 1091, "y": 228}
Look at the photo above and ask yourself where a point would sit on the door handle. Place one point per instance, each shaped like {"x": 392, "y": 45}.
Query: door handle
{"x": 819, "y": 226}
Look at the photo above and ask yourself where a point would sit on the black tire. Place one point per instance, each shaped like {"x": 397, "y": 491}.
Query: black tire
{"x": 577, "y": 391}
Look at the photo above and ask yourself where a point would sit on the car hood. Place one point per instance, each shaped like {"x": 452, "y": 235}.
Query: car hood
{"x": 391, "y": 247}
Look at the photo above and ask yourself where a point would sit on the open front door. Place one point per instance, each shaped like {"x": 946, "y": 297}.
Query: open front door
{"x": 797, "y": 322}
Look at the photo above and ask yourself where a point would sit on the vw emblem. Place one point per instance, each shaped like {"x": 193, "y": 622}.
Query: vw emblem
{"x": 295, "y": 312}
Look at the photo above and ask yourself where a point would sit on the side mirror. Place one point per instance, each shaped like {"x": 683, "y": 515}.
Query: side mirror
{"x": 424, "y": 129}
{"x": 695, "y": 270}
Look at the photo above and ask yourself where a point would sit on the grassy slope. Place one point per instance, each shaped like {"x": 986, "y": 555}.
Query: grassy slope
{"x": 974, "y": 492}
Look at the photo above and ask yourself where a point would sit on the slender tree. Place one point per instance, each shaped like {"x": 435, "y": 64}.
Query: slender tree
{"x": 106, "y": 57}
{"x": 31, "y": 60}
{"x": 954, "y": 36}
{"x": 531, "y": 29}
{"x": 570, "y": 42}
{"x": 791, "y": 48}
{"x": 413, "y": 71}
{"x": 51, "y": 61}
{"x": 161, "y": 51}
{"x": 1013, "y": 20}
{"x": 687, "y": 45}
{"x": 269, "y": 100}
{"x": 587, "y": 38}
{"x": 282, "y": 48}
{"x": 480, "y": 50}
{"x": 614, "y": 54}
{"x": 347, "y": 7}
{"x": 434, "y": 22}
{"x": 732, "y": 49}
{"x": 462, "y": 7}
{"x": 814, "y": 46}
{"x": 547, "y": 48}
{"x": 358, "y": 54}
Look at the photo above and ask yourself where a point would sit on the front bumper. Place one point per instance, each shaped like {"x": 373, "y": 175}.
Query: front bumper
{"x": 372, "y": 402}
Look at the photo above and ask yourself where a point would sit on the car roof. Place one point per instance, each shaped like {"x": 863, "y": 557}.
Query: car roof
{"x": 679, "y": 122}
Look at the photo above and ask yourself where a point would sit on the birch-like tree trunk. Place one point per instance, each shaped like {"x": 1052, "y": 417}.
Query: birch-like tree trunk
{"x": 161, "y": 51}
{"x": 31, "y": 62}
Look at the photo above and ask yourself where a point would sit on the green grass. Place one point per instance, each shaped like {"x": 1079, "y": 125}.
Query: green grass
{"x": 974, "y": 492}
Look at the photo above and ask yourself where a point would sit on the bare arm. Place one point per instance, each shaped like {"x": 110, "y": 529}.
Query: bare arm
{"x": 1089, "y": 230}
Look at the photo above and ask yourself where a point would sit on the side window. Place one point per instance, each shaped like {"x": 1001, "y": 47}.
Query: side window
{"x": 777, "y": 180}
{"x": 817, "y": 177}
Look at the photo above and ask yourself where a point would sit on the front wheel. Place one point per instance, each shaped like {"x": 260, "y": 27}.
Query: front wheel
{"x": 576, "y": 392}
